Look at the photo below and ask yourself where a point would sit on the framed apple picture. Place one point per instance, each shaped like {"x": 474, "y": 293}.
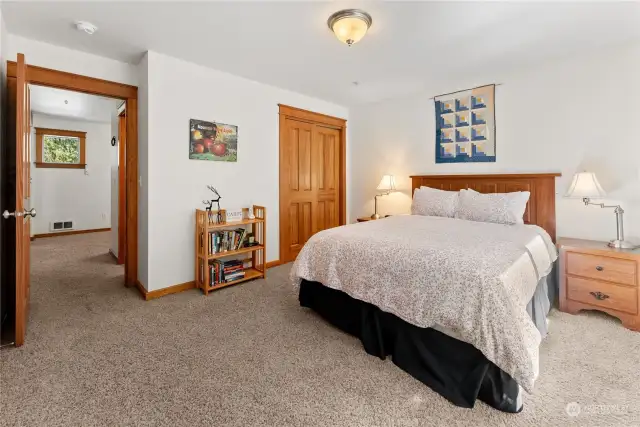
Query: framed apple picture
{"x": 213, "y": 141}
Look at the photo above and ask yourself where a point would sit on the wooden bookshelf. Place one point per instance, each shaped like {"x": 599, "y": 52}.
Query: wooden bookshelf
{"x": 250, "y": 274}
{"x": 236, "y": 252}
{"x": 253, "y": 257}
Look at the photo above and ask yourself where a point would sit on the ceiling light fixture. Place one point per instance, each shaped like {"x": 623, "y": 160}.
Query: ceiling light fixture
{"x": 350, "y": 25}
{"x": 85, "y": 26}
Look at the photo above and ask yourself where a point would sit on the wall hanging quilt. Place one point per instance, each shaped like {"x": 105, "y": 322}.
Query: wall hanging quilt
{"x": 466, "y": 126}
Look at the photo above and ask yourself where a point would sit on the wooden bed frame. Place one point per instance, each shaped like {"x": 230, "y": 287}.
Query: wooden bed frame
{"x": 541, "y": 208}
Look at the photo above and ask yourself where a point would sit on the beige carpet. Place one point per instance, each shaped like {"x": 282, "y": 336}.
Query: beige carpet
{"x": 97, "y": 354}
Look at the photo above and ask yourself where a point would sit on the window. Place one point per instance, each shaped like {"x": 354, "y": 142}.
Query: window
{"x": 60, "y": 148}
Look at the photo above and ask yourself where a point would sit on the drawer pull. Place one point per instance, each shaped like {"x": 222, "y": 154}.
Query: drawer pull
{"x": 599, "y": 268}
{"x": 599, "y": 295}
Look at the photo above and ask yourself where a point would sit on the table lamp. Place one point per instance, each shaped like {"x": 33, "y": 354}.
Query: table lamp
{"x": 387, "y": 184}
{"x": 584, "y": 186}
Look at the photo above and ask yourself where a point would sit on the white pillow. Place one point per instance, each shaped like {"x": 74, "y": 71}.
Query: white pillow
{"x": 502, "y": 208}
{"x": 433, "y": 202}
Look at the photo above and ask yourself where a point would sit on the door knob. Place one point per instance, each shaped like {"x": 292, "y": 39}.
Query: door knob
{"x": 6, "y": 214}
{"x": 31, "y": 212}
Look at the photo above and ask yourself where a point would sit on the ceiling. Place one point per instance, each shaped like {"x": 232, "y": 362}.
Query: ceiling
{"x": 410, "y": 46}
{"x": 79, "y": 106}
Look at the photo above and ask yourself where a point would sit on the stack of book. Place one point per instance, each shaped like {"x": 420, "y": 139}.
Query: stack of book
{"x": 226, "y": 240}
{"x": 225, "y": 271}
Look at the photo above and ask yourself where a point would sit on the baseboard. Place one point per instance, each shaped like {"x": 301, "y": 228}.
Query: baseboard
{"x": 115, "y": 257}
{"x": 149, "y": 295}
{"x": 274, "y": 263}
{"x": 70, "y": 232}
{"x": 142, "y": 290}
{"x": 33, "y": 238}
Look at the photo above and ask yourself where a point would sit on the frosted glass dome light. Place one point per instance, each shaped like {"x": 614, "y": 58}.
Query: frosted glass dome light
{"x": 350, "y": 25}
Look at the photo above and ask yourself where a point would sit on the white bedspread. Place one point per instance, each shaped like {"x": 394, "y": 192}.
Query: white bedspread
{"x": 473, "y": 278}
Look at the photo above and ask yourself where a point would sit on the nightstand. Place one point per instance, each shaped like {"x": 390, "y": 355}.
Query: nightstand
{"x": 368, "y": 218}
{"x": 596, "y": 277}
{"x": 365, "y": 219}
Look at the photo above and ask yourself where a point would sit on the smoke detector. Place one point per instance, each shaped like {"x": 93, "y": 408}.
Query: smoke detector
{"x": 85, "y": 26}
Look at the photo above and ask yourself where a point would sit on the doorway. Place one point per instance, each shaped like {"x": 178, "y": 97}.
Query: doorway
{"x": 312, "y": 177}
{"x": 16, "y": 180}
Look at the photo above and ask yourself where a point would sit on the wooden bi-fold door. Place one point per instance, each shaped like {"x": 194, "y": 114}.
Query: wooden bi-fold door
{"x": 311, "y": 158}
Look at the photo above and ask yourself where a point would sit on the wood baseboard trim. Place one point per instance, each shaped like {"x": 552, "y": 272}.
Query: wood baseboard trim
{"x": 143, "y": 291}
{"x": 118, "y": 261}
{"x": 274, "y": 263}
{"x": 70, "y": 232}
{"x": 164, "y": 291}
{"x": 33, "y": 238}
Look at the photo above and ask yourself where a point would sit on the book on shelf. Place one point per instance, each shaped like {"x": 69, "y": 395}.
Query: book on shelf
{"x": 226, "y": 271}
{"x": 227, "y": 240}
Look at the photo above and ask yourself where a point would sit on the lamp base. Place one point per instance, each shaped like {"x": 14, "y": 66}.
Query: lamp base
{"x": 622, "y": 244}
{"x": 375, "y": 216}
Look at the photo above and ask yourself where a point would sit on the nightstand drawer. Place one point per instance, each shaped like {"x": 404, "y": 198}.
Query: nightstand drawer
{"x": 603, "y": 294}
{"x": 602, "y": 268}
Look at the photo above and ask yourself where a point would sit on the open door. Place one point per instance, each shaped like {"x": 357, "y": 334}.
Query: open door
{"x": 22, "y": 213}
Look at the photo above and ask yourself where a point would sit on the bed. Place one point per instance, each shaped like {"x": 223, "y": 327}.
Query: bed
{"x": 459, "y": 305}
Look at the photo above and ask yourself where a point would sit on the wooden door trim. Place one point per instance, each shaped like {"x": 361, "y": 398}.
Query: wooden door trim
{"x": 78, "y": 83}
{"x": 299, "y": 114}
{"x": 75, "y": 82}
{"x": 122, "y": 187}
{"x": 310, "y": 116}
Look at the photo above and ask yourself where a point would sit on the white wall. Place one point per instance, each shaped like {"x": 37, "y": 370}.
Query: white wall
{"x": 179, "y": 91}
{"x": 62, "y": 194}
{"x": 72, "y": 61}
{"x": 577, "y": 114}
{"x": 144, "y": 112}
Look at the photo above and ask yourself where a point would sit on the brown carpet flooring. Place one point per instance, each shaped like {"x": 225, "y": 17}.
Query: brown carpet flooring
{"x": 97, "y": 354}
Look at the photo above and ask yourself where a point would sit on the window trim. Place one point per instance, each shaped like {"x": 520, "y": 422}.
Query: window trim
{"x": 41, "y": 132}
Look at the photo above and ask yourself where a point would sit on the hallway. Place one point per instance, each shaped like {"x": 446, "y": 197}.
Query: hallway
{"x": 72, "y": 277}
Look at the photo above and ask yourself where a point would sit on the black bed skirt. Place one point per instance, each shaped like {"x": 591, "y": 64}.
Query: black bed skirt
{"x": 454, "y": 369}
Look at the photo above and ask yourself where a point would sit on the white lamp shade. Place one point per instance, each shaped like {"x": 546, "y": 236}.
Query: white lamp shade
{"x": 585, "y": 184}
{"x": 387, "y": 183}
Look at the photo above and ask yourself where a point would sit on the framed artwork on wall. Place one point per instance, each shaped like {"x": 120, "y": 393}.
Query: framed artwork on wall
{"x": 466, "y": 126}
{"x": 213, "y": 141}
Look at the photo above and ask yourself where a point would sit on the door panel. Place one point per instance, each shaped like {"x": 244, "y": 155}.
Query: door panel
{"x": 303, "y": 150}
{"x": 328, "y": 162}
{"x": 309, "y": 183}
{"x": 294, "y": 232}
{"x": 23, "y": 238}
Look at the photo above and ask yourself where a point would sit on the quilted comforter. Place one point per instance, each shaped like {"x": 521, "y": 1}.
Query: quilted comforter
{"x": 473, "y": 278}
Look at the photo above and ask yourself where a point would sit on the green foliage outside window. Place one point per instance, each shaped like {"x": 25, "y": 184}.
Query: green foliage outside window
{"x": 61, "y": 149}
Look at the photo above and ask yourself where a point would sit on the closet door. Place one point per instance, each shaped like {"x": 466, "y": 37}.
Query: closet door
{"x": 309, "y": 183}
{"x": 297, "y": 187}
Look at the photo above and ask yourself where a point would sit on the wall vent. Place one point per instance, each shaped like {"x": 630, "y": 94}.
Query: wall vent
{"x": 61, "y": 225}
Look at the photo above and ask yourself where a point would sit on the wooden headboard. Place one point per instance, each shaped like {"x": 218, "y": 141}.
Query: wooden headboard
{"x": 541, "y": 208}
